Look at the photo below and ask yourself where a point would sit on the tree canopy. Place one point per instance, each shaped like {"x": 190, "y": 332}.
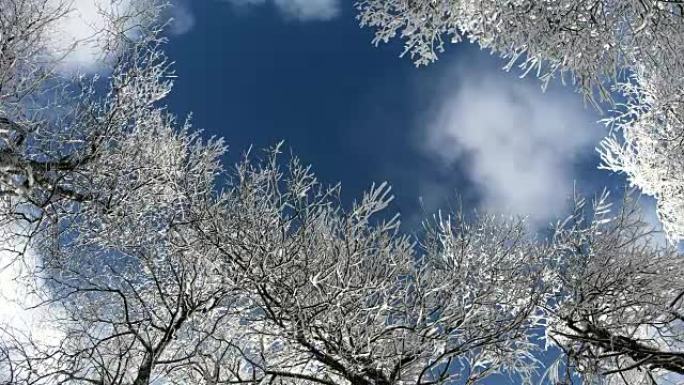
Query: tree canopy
{"x": 143, "y": 260}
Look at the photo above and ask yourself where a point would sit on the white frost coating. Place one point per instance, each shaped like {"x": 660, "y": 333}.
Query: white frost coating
{"x": 619, "y": 310}
{"x": 650, "y": 151}
{"x": 166, "y": 268}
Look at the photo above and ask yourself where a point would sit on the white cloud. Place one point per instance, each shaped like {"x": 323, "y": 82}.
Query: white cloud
{"x": 25, "y": 321}
{"x": 77, "y": 38}
{"x": 182, "y": 18}
{"x": 302, "y": 10}
{"x": 19, "y": 291}
{"x": 516, "y": 144}
{"x": 306, "y": 10}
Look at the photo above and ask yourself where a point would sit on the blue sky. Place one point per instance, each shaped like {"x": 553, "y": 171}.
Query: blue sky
{"x": 260, "y": 71}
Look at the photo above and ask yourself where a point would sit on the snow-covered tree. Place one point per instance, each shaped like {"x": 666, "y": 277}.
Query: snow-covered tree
{"x": 632, "y": 47}
{"x": 148, "y": 262}
{"x": 145, "y": 271}
{"x": 619, "y": 303}
{"x": 90, "y": 182}
{"x": 346, "y": 299}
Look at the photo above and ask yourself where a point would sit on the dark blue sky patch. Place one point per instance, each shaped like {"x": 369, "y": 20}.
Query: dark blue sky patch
{"x": 357, "y": 113}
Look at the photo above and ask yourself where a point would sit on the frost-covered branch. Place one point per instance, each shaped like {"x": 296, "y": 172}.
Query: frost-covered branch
{"x": 617, "y": 312}
{"x": 150, "y": 262}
